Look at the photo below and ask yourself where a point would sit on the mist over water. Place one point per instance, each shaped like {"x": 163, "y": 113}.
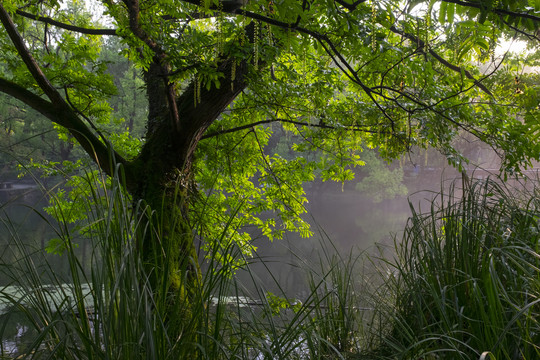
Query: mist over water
{"x": 26, "y": 229}
{"x": 347, "y": 220}
{"x": 342, "y": 217}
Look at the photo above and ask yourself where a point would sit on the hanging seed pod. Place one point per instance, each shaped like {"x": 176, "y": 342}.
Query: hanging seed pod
{"x": 233, "y": 74}
{"x": 270, "y": 37}
{"x": 243, "y": 33}
{"x": 256, "y": 32}
{"x": 373, "y": 18}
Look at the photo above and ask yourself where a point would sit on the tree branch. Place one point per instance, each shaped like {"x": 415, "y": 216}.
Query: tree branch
{"x": 47, "y": 20}
{"x": 478, "y": 5}
{"x": 135, "y": 26}
{"x": 57, "y": 110}
{"x": 532, "y": 37}
{"x": 36, "y": 102}
{"x": 294, "y": 122}
{"x": 422, "y": 45}
{"x": 101, "y": 153}
{"x": 228, "y": 6}
{"x": 348, "y": 6}
{"x": 28, "y": 59}
{"x": 159, "y": 59}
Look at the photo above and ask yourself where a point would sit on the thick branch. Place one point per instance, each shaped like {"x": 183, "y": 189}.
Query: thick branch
{"x": 228, "y": 6}
{"x": 299, "y": 123}
{"x": 478, "y": 5}
{"x": 36, "y": 102}
{"x": 98, "y": 151}
{"x": 198, "y": 108}
{"x": 135, "y": 26}
{"x": 47, "y": 20}
{"x": 159, "y": 59}
{"x": 350, "y": 6}
{"x": 235, "y": 7}
{"x": 196, "y": 119}
{"x": 58, "y": 110}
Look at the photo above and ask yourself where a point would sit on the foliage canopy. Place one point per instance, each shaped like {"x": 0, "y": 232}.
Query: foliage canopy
{"x": 230, "y": 82}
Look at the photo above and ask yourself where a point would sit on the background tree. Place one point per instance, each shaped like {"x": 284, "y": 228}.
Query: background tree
{"x": 220, "y": 77}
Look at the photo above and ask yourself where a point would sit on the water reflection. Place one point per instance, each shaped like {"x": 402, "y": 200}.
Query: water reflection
{"x": 25, "y": 231}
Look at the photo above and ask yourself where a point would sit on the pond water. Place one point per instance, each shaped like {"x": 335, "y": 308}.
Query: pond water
{"x": 25, "y": 231}
{"x": 25, "y": 228}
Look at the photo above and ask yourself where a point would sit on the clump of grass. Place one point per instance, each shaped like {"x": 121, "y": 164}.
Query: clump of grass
{"x": 336, "y": 311}
{"x": 104, "y": 312}
{"x": 466, "y": 280}
{"x": 465, "y": 284}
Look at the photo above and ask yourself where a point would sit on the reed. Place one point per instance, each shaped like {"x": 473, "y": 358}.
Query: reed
{"x": 465, "y": 283}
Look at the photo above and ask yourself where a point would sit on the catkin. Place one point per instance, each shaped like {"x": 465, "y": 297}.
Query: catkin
{"x": 373, "y": 18}
{"x": 243, "y": 33}
{"x": 233, "y": 74}
{"x": 270, "y": 39}
{"x": 256, "y": 45}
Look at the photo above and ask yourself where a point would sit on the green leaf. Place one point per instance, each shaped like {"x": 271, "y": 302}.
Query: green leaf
{"x": 450, "y": 12}
{"x": 442, "y": 12}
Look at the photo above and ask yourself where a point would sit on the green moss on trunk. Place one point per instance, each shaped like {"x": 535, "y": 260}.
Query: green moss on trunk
{"x": 169, "y": 254}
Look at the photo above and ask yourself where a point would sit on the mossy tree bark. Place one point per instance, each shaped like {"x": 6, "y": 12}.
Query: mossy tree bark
{"x": 162, "y": 178}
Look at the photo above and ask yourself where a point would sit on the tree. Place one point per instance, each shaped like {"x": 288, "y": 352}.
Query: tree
{"x": 221, "y": 76}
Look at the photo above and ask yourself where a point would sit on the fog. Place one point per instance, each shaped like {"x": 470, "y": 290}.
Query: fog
{"x": 347, "y": 220}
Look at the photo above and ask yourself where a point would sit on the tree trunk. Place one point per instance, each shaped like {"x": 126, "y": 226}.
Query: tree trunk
{"x": 164, "y": 181}
{"x": 163, "y": 186}
{"x": 169, "y": 254}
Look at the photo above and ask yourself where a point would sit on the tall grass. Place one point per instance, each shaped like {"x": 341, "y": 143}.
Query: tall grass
{"x": 336, "y": 306}
{"x": 110, "y": 311}
{"x": 466, "y": 280}
{"x": 106, "y": 312}
{"x": 465, "y": 284}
